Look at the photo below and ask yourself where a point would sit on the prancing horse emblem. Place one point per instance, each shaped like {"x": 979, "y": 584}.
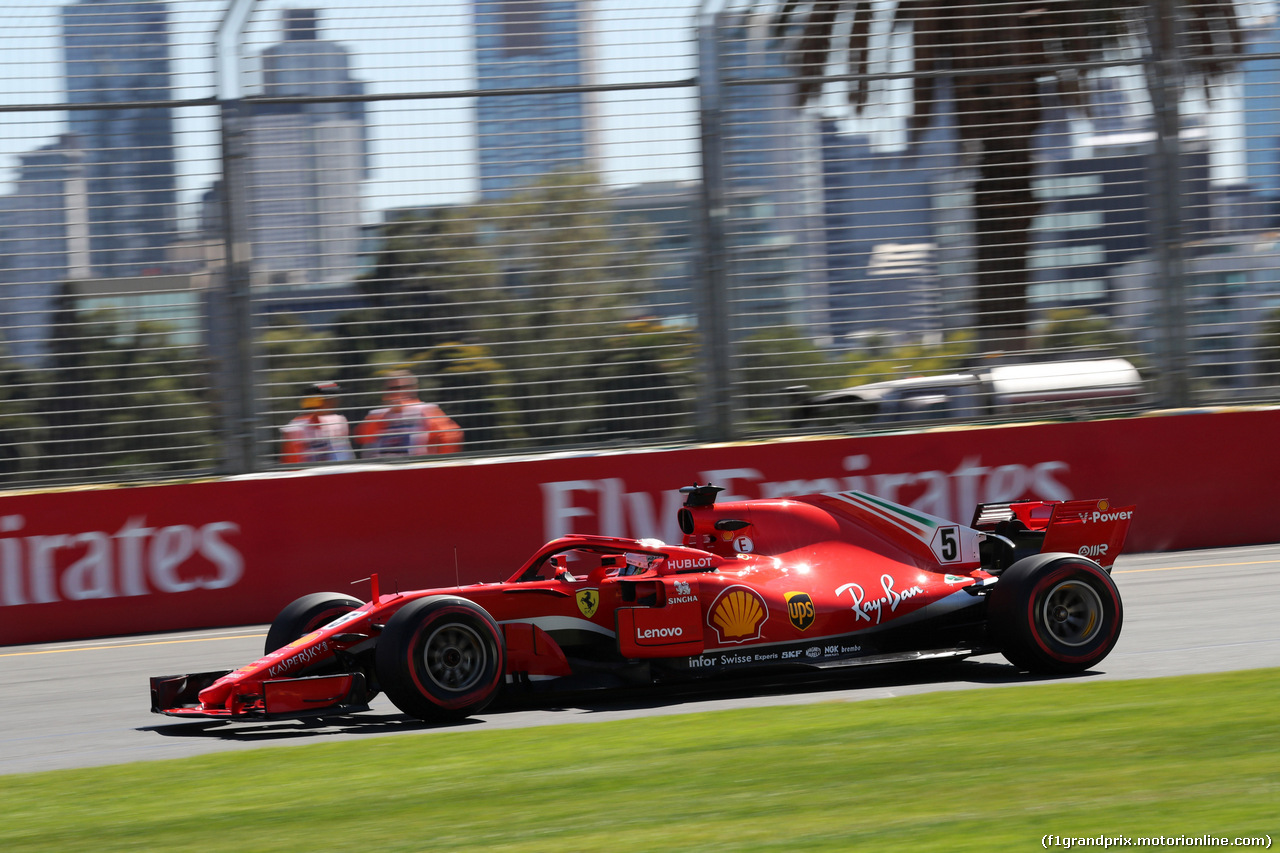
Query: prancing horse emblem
{"x": 588, "y": 601}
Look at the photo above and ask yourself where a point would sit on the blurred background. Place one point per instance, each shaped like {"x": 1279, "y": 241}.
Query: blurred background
{"x": 589, "y": 224}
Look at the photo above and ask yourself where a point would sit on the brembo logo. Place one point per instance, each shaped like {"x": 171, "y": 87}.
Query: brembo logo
{"x": 135, "y": 560}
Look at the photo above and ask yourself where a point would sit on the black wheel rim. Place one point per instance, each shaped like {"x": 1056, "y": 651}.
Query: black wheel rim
{"x": 455, "y": 657}
{"x": 1072, "y": 613}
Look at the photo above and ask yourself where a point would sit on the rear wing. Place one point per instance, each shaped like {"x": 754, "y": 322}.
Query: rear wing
{"x": 1090, "y": 528}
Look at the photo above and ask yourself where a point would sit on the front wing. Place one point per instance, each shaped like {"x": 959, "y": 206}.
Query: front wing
{"x": 281, "y": 698}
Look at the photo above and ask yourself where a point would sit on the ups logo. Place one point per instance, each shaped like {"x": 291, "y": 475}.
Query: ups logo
{"x": 800, "y": 609}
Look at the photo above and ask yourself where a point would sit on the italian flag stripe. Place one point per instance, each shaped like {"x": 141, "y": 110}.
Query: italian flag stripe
{"x": 892, "y": 513}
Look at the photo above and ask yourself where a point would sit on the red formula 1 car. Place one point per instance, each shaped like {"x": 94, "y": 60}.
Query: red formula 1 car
{"x": 820, "y": 582}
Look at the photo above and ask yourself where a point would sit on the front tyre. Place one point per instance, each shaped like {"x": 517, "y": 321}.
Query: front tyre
{"x": 441, "y": 658}
{"x": 304, "y": 615}
{"x": 311, "y": 613}
{"x": 1055, "y": 613}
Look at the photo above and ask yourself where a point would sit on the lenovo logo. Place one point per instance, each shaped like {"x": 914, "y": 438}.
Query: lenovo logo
{"x": 658, "y": 633}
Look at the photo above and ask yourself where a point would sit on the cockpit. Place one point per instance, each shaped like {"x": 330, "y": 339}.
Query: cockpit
{"x": 580, "y": 564}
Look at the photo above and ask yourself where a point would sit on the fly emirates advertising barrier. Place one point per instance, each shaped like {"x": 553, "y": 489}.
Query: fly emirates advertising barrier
{"x": 82, "y": 563}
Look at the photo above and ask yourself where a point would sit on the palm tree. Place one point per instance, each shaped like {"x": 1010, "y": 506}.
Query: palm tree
{"x": 996, "y": 55}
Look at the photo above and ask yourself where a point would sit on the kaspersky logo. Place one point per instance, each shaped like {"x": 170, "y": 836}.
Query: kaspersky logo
{"x": 738, "y": 614}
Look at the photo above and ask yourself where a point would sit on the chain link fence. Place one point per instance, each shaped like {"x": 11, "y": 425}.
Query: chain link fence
{"x": 580, "y": 225}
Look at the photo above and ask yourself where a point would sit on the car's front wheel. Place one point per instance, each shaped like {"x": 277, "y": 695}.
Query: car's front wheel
{"x": 441, "y": 658}
{"x": 310, "y": 613}
{"x": 306, "y": 614}
{"x": 1055, "y": 613}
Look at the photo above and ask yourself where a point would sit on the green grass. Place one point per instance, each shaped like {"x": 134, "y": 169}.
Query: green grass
{"x": 992, "y": 769}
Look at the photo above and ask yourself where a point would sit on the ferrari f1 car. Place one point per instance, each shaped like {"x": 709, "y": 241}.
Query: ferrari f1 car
{"x": 823, "y": 581}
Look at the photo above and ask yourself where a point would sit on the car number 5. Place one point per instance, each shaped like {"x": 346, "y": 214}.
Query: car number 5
{"x": 946, "y": 545}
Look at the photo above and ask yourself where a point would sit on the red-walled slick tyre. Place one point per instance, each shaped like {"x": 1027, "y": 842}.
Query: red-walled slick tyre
{"x": 441, "y": 658}
{"x": 306, "y": 614}
{"x": 1055, "y": 613}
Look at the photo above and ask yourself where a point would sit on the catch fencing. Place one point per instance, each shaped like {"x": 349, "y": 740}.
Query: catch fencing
{"x": 586, "y": 224}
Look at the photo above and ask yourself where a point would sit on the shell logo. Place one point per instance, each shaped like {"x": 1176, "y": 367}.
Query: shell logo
{"x": 738, "y": 614}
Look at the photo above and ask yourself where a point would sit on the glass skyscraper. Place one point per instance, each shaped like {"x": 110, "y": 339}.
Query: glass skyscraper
{"x": 306, "y": 161}
{"x": 528, "y": 44}
{"x": 117, "y": 63}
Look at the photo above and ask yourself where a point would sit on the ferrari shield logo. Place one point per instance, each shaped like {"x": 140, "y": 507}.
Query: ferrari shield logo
{"x": 588, "y": 601}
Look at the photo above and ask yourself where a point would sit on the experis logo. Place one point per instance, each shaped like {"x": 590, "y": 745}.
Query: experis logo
{"x": 135, "y": 560}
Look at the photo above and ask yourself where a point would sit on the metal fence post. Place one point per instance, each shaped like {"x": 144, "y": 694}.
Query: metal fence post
{"x": 716, "y": 422}
{"x": 231, "y": 324}
{"x": 232, "y": 328}
{"x": 1165, "y": 77}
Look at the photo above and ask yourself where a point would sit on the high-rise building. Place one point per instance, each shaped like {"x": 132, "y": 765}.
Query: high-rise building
{"x": 1096, "y": 215}
{"x": 772, "y": 175}
{"x": 887, "y": 238}
{"x": 1261, "y": 75}
{"x": 118, "y": 79}
{"x": 523, "y": 136}
{"x": 44, "y": 240}
{"x": 306, "y": 162}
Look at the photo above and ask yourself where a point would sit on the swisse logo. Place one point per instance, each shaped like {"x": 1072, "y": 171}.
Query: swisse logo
{"x": 135, "y": 560}
{"x": 658, "y": 633}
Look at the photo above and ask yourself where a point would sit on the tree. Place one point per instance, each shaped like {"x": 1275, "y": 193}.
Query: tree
{"x": 128, "y": 398}
{"x": 1268, "y": 350}
{"x": 22, "y": 425}
{"x": 534, "y": 297}
{"x": 294, "y": 356}
{"x": 644, "y": 384}
{"x": 475, "y": 390}
{"x": 1077, "y": 333}
{"x": 994, "y": 55}
{"x": 779, "y": 368}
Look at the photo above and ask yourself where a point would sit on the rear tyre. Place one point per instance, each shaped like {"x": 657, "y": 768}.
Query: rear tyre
{"x": 441, "y": 658}
{"x": 1055, "y": 613}
{"x": 307, "y": 614}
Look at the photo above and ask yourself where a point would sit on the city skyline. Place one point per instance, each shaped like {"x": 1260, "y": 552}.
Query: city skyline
{"x": 642, "y": 41}
{"x": 423, "y": 152}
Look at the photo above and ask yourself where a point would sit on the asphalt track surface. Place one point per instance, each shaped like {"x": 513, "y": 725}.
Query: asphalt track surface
{"x": 84, "y": 704}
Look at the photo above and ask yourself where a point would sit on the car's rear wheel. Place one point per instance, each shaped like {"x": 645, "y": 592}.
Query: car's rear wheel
{"x": 1055, "y": 613}
{"x": 441, "y": 658}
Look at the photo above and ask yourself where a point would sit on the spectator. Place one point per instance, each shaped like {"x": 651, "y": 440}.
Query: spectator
{"x": 320, "y": 434}
{"x": 406, "y": 426}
